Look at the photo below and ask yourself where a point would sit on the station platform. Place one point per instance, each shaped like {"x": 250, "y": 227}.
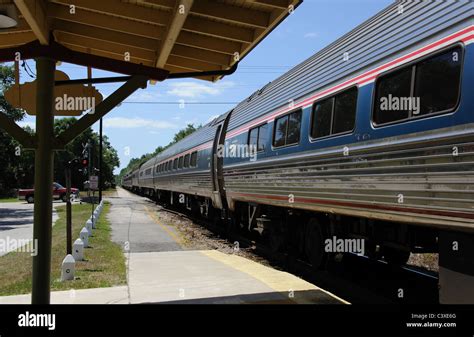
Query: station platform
{"x": 196, "y": 277}
{"x": 161, "y": 270}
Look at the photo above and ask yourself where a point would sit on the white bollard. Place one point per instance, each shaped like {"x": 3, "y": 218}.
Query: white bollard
{"x": 94, "y": 221}
{"x": 84, "y": 235}
{"x": 95, "y": 217}
{"x": 78, "y": 250}
{"x": 89, "y": 226}
{"x": 68, "y": 267}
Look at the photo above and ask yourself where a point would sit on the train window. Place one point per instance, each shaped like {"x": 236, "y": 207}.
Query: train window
{"x": 194, "y": 159}
{"x": 281, "y": 125}
{"x": 253, "y": 137}
{"x": 334, "y": 115}
{"x": 175, "y": 164}
{"x": 397, "y": 86}
{"x": 148, "y": 172}
{"x": 180, "y": 162}
{"x": 345, "y": 107}
{"x": 170, "y": 165}
{"x": 262, "y": 137}
{"x": 322, "y": 112}
{"x": 141, "y": 174}
{"x": 427, "y": 87}
{"x": 287, "y": 129}
{"x": 186, "y": 160}
{"x": 437, "y": 82}
{"x": 294, "y": 128}
{"x": 258, "y": 137}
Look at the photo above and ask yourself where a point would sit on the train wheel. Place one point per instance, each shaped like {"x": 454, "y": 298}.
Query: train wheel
{"x": 314, "y": 244}
{"x": 395, "y": 256}
{"x": 276, "y": 238}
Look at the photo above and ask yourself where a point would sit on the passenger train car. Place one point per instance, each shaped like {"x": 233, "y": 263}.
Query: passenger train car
{"x": 372, "y": 137}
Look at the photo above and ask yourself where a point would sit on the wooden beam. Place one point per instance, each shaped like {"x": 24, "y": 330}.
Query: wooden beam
{"x": 105, "y": 35}
{"x": 124, "y": 10}
{"x": 194, "y": 65}
{"x": 165, "y": 4}
{"x": 208, "y": 43}
{"x": 34, "y": 13}
{"x": 15, "y": 39}
{"x": 141, "y": 55}
{"x": 201, "y": 55}
{"x": 180, "y": 14}
{"x": 14, "y": 130}
{"x": 119, "y": 24}
{"x": 278, "y": 4}
{"x": 220, "y": 30}
{"x": 230, "y": 13}
{"x": 175, "y": 69}
{"x": 58, "y": 52}
{"x": 108, "y": 54}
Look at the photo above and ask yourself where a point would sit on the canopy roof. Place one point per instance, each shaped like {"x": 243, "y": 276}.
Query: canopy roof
{"x": 175, "y": 35}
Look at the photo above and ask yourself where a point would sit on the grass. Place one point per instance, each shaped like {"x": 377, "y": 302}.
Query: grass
{"x": 104, "y": 265}
{"x": 110, "y": 192}
{"x": 8, "y": 200}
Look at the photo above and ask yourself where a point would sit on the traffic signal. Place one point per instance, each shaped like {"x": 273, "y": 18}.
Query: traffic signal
{"x": 85, "y": 162}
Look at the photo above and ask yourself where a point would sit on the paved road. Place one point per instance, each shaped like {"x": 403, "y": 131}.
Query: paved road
{"x": 134, "y": 227}
{"x": 16, "y": 223}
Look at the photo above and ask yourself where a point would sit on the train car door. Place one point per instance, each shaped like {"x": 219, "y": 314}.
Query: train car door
{"x": 219, "y": 198}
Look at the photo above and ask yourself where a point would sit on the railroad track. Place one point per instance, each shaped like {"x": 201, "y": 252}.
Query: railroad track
{"x": 357, "y": 279}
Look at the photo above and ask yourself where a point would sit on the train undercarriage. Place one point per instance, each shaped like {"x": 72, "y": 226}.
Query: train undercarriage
{"x": 318, "y": 237}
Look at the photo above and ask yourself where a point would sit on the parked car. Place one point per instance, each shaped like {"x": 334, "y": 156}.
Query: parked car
{"x": 59, "y": 193}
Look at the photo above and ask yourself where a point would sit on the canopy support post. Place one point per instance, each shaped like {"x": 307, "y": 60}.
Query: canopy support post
{"x": 43, "y": 198}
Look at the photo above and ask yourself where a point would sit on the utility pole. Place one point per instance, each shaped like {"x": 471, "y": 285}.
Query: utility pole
{"x": 68, "y": 173}
{"x": 100, "y": 161}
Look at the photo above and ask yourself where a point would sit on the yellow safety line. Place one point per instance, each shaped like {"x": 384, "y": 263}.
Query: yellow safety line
{"x": 276, "y": 280}
{"x": 175, "y": 237}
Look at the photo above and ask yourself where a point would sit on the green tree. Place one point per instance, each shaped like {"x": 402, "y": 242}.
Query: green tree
{"x": 12, "y": 155}
{"x": 74, "y": 150}
{"x": 17, "y": 164}
{"x": 136, "y": 162}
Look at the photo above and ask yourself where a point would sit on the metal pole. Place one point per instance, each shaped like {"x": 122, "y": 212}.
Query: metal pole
{"x": 44, "y": 158}
{"x": 100, "y": 161}
{"x": 68, "y": 210}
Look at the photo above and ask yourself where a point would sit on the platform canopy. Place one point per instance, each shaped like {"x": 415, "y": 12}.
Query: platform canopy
{"x": 179, "y": 36}
{"x": 148, "y": 40}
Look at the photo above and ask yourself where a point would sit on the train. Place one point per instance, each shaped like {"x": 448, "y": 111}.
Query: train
{"x": 370, "y": 138}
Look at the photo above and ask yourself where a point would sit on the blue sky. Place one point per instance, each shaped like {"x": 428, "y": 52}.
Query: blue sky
{"x": 143, "y": 127}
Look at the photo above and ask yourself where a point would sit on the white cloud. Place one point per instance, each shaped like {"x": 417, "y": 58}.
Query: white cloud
{"x": 311, "y": 35}
{"x": 132, "y": 123}
{"x": 194, "y": 89}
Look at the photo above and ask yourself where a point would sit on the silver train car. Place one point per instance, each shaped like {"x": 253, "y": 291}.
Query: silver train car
{"x": 370, "y": 138}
